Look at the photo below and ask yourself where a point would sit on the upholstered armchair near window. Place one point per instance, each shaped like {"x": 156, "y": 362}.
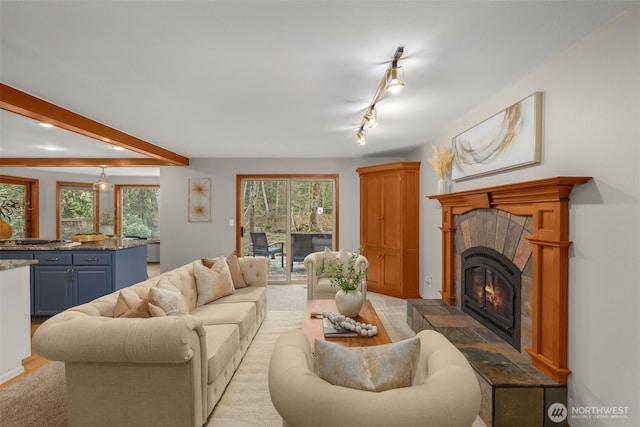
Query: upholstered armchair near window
{"x": 319, "y": 284}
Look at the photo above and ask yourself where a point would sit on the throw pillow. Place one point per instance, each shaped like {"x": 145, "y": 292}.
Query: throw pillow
{"x": 212, "y": 283}
{"x": 127, "y": 299}
{"x": 342, "y": 258}
{"x": 208, "y": 262}
{"x": 168, "y": 298}
{"x": 375, "y": 368}
{"x": 144, "y": 310}
{"x": 329, "y": 257}
{"x": 236, "y": 273}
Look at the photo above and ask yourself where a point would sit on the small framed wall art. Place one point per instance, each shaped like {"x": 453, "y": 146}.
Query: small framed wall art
{"x": 507, "y": 140}
{"x": 199, "y": 199}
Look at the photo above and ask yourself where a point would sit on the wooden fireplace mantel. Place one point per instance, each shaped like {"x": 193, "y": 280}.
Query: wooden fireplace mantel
{"x": 547, "y": 201}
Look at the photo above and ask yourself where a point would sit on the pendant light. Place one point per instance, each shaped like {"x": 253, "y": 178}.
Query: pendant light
{"x": 102, "y": 184}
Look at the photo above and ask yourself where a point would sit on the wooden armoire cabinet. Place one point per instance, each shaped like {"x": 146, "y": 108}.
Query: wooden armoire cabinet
{"x": 389, "y": 227}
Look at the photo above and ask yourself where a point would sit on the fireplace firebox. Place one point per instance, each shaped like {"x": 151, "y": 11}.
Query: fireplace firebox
{"x": 491, "y": 286}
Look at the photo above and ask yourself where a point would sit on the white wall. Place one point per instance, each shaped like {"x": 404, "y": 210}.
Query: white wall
{"x": 591, "y": 128}
{"x": 184, "y": 241}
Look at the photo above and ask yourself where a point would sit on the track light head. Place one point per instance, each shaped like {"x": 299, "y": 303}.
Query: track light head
{"x": 361, "y": 136}
{"x": 371, "y": 117}
{"x": 395, "y": 79}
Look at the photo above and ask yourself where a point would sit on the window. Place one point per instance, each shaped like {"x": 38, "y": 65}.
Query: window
{"x": 24, "y": 220}
{"x": 139, "y": 211}
{"x": 78, "y": 208}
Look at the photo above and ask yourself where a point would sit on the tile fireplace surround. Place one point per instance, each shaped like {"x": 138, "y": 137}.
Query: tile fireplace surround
{"x": 509, "y": 378}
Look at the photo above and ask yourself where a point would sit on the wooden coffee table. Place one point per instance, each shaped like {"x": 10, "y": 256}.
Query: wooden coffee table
{"x": 312, "y": 326}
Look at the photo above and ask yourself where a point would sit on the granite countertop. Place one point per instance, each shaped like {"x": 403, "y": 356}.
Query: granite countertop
{"x": 102, "y": 245}
{"x": 8, "y": 264}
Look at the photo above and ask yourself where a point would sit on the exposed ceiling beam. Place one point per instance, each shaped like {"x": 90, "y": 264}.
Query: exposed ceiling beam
{"x": 22, "y": 103}
{"x": 74, "y": 162}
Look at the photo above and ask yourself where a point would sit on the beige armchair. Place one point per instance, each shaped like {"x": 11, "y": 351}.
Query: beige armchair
{"x": 319, "y": 285}
{"x": 445, "y": 390}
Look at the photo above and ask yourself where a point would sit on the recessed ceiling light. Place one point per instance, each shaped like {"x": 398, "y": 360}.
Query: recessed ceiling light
{"x": 46, "y": 125}
{"x": 115, "y": 147}
{"x": 50, "y": 148}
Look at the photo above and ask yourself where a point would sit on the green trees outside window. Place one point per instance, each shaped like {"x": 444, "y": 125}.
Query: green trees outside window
{"x": 140, "y": 212}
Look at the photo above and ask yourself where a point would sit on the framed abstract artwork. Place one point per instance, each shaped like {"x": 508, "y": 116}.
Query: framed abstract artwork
{"x": 199, "y": 199}
{"x": 507, "y": 140}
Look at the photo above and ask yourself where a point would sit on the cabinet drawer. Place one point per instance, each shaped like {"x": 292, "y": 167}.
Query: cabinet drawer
{"x": 91, "y": 259}
{"x": 54, "y": 258}
{"x": 15, "y": 255}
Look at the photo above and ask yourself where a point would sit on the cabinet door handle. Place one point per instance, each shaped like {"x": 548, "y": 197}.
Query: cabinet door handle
{"x": 52, "y": 259}
{"x": 91, "y": 259}
{"x": 69, "y": 274}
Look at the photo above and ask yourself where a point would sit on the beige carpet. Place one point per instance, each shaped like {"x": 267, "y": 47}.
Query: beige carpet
{"x": 38, "y": 399}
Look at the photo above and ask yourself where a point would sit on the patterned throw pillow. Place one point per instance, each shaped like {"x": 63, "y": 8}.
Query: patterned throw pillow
{"x": 168, "y": 298}
{"x": 375, "y": 368}
{"x": 212, "y": 283}
{"x": 234, "y": 269}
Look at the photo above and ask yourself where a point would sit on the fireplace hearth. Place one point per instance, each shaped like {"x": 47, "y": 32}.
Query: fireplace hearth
{"x": 546, "y": 202}
{"x": 528, "y": 223}
{"x": 491, "y": 292}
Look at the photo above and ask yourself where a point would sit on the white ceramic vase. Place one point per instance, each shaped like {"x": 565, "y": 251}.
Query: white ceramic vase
{"x": 444, "y": 185}
{"x": 349, "y": 303}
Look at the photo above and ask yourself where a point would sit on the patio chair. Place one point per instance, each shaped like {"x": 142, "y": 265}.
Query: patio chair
{"x": 261, "y": 247}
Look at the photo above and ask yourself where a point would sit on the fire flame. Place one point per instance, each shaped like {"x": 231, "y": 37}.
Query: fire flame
{"x": 491, "y": 294}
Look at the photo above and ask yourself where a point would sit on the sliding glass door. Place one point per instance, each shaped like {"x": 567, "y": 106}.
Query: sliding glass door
{"x": 285, "y": 218}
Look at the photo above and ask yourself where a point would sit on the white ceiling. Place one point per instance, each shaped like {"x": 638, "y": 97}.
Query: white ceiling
{"x": 271, "y": 79}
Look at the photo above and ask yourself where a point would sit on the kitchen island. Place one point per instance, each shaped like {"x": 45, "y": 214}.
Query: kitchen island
{"x": 15, "y": 330}
{"x": 68, "y": 274}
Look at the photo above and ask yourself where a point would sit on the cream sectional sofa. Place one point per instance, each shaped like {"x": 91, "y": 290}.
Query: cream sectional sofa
{"x": 159, "y": 371}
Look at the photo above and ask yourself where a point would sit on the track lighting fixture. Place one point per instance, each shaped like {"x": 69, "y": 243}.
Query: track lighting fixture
{"x": 102, "y": 184}
{"x": 392, "y": 80}
{"x": 371, "y": 117}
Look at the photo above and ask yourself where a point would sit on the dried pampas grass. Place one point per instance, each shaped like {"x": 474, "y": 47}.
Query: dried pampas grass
{"x": 442, "y": 160}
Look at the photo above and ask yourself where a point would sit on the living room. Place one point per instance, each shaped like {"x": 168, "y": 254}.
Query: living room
{"x": 591, "y": 106}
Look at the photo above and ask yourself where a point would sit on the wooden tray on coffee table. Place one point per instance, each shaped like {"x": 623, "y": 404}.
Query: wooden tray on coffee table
{"x": 312, "y": 326}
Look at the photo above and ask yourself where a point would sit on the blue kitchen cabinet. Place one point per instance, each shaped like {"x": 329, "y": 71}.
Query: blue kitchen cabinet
{"x": 65, "y": 278}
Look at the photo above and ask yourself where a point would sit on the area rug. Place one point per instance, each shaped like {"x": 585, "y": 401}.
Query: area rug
{"x": 38, "y": 399}
{"x": 249, "y": 383}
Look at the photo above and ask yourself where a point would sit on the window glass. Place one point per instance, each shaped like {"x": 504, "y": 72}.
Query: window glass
{"x": 77, "y": 210}
{"x": 140, "y": 212}
{"x": 12, "y": 198}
